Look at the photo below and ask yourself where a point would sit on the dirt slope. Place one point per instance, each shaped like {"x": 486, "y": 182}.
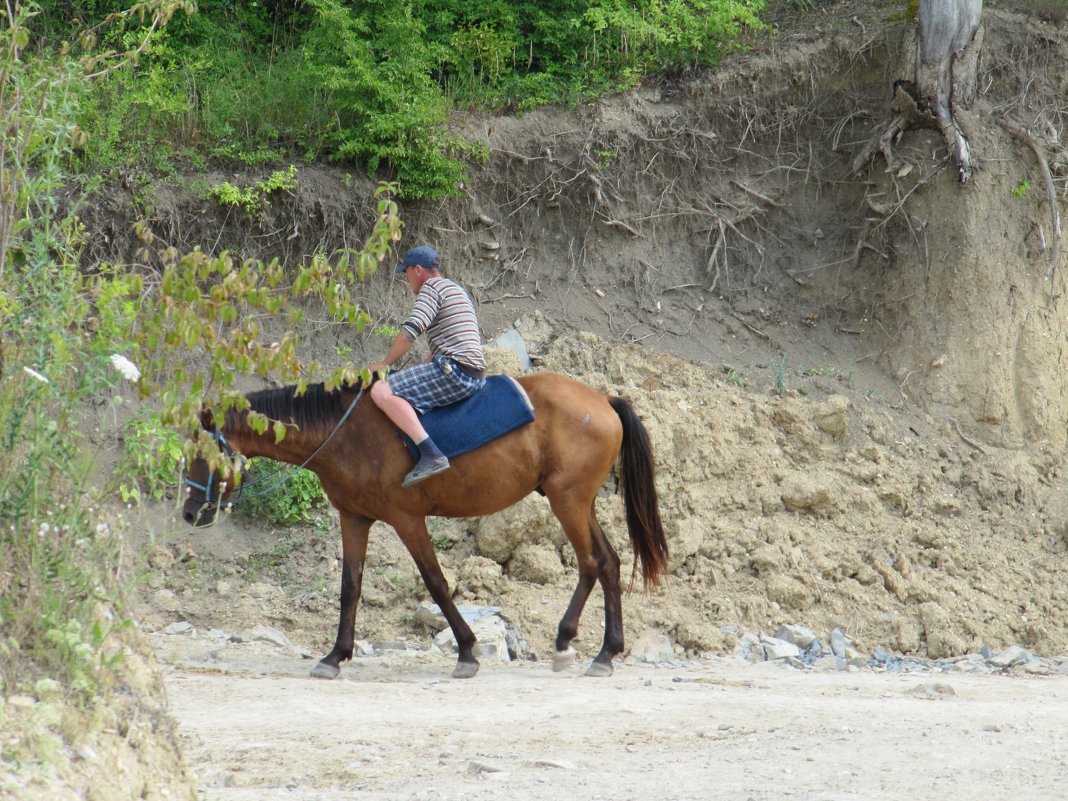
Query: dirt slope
{"x": 852, "y": 380}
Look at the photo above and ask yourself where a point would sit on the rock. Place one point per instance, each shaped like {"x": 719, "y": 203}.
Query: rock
{"x": 838, "y": 643}
{"x": 429, "y": 615}
{"x": 47, "y": 689}
{"x": 653, "y": 647}
{"x": 1013, "y": 655}
{"x": 775, "y": 648}
{"x": 512, "y": 342}
{"x": 491, "y": 633}
{"x": 807, "y": 492}
{"x": 498, "y": 535}
{"x": 264, "y": 634}
{"x": 179, "y": 628}
{"x": 535, "y": 329}
{"x": 798, "y": 635}
{"x": 478, "y": 575}
{"x": 536, "y": 562}
{"x": 22, "y": 701}
{"x": 788, "y": 592}
{"x": 749, "y": 648}
{"x": 685, "y": 538}
{"x": 933, "y": 689}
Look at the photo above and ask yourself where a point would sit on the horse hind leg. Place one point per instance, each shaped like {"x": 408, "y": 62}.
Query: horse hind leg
{"x": 597, "y": 560}
{"x": 608, "y": 575}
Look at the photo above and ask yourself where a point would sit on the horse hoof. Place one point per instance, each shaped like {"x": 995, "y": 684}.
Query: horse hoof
{"x": 325, "y": 671}
{"x": 599, "y": 669}
{"x": 562, "y": 660}
{"x": 465, "y": 670}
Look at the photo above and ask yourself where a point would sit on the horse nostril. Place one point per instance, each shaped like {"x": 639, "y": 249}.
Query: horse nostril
{"x": 189, "y": 517}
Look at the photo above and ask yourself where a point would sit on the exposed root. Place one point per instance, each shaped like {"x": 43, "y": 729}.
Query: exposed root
{"x": 1051, "y": 192}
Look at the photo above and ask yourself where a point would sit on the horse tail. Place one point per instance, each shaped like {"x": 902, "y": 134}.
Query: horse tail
{"x": 639, "y": 496}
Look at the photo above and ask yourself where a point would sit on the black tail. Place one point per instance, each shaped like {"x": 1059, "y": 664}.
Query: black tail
{"x": 639, "y": 497}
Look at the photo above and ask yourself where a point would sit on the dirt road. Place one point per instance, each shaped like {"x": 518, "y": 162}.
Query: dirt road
{"x": 256, "y": 726}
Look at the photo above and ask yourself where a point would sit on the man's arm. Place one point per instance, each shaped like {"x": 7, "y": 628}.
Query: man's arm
{"x": 400, "y": 346}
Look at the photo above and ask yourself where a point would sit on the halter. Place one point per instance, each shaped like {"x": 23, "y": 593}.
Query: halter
{"x": 226, "y": 448}
{"x": 224, "y": 445}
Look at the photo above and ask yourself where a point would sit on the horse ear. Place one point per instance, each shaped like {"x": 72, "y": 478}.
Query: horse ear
{"x": 207, "y": 419}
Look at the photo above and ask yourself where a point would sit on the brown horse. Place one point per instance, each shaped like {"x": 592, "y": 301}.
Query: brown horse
{"x": 565, "y": 454}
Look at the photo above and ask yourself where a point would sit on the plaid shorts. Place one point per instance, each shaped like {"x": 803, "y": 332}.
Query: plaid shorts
{"x": 432, "y": 384}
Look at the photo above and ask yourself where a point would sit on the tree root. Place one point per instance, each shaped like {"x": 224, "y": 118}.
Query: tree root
{"x": 1047, "y": 179}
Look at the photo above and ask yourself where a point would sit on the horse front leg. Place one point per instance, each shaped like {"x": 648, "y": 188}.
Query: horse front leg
{"x": 354, "y": 533}
{"x": 417, "y": 540}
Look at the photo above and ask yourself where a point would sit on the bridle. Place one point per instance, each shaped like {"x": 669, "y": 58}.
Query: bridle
{"x": 228, "y": 450}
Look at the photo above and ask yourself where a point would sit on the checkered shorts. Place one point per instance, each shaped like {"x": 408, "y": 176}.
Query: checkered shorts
{"x": 429, "y": 385}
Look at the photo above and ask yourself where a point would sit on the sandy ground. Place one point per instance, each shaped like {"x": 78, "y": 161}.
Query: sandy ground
{"x": 254, "y": 725}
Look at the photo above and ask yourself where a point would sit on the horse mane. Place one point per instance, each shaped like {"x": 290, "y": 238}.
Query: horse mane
{"x": 315, "y": 411}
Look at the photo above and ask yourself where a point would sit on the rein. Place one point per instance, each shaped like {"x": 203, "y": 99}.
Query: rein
{"x": 220, "y": 439}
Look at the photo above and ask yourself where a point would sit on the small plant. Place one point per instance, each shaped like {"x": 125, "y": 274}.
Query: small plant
{"x": 605, "y": 159}
{"x": 778, "y": 370}
{"x": 441, "y": 543}
{"x": 387, "y": 331}
{"x": 252, "y": 199}
{"x": 151, "y": 460}
{"x": 291, "y": 502}
{"x": 734, "y": 377}
{"x": 1021, "y": 189}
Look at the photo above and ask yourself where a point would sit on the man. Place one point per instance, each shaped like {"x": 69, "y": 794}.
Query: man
{"x": 455, "y": 370}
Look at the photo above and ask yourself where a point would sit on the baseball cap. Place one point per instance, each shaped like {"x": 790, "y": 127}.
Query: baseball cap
{"x": 423, "y": 255}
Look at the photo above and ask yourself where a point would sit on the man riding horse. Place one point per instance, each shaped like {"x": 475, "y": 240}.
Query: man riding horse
{"x": 455, "y": 369}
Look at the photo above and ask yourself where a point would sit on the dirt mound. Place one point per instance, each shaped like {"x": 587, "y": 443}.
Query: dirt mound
{"x": 852, "y": 381}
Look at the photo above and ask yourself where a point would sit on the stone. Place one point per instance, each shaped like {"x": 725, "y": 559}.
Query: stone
{"x": 536, "y": 562}
{"x": 491, "y": 634}
{"x": 181, "y": 627}
{"x": 838, "y": 643}
{"x": 933, "y": 689}
{"x": 264, "y": 634}
{"x": 775, "y": 648}
{"x": 1013, "y": 655}
{"x": 653, "y": 647}
{"x": 798, "y": 635}
{"x": 511, "y": 340}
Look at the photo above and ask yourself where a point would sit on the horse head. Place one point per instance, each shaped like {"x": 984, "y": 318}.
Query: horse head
{"x": 209, "y": 489}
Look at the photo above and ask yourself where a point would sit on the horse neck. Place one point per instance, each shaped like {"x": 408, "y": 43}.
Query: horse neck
{"x": 295, "y": 448}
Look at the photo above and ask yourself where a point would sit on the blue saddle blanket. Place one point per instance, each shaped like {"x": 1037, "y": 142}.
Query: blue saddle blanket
{"x": 499, "y": 407}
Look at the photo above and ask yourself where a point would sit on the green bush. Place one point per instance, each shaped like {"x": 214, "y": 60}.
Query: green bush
{"x": 298, "y": 492}
{"x": 62, "y": 563}
{"x": 373, "y": 83}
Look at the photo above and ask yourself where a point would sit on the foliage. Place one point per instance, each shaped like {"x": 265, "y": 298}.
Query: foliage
{"x": 1021, "y": 189}
{"x": 212, "y": 304}
{"x": 67, "y": 340}
{"x": 62, "y": 562}
{"x": 152, "y": 459}
{"x": 252, "y": 199}
{"x": 292, "y": 496}
{"x": 373, "y": 83}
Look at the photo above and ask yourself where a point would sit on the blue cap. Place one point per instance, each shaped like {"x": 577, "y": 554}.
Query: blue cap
{"x": 424, "y": 256}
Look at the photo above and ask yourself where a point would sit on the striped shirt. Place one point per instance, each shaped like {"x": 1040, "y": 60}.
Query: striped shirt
{"x": 446, "y": 314}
